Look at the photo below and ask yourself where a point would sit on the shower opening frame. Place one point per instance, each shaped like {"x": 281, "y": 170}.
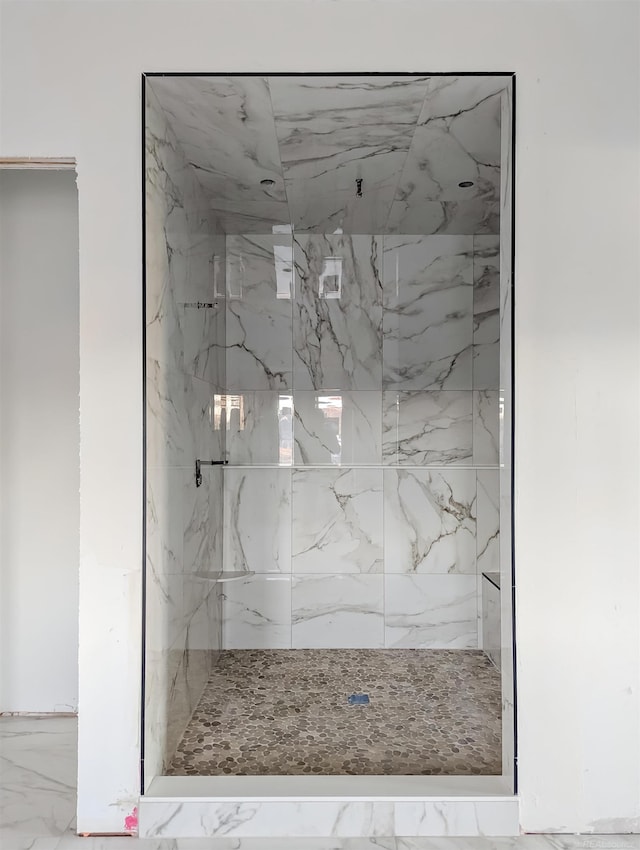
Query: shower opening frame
{"x": 464, "y": 798}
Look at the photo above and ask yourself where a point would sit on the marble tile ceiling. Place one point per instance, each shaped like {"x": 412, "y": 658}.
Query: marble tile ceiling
{"x": 283, "y": 150}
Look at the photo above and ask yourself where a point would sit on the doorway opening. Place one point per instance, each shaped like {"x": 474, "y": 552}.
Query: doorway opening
{"x": 328, "y": 354}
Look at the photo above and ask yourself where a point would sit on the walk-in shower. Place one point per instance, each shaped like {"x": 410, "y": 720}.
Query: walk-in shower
{"x": 328, "y": 574}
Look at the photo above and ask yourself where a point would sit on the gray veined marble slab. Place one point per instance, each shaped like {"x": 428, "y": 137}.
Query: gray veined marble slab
{"x": 337, "y": 611}
{"x": 259, "y": 280}
{"x": 164, "y": 333}
{"x": 337, "y": 521}
{"x": 438, "y": 218}
{"x": 488, "y": 817}
{"x": 428, "y": 312}
{"x": 410, "y": 140}
{"x": 202, "y": 518}
{"x": 486, "y": 312}
{"x": 202, "y": 309}
{"x": 488, "y": 533}
{"x": 337, "y": 428}
{"x": 169, "y": 438}
{"x": 431, "y": 611}
{"x": 206, "y": 430}
{"x": 337, "y": 313}
{"x": 335, "y": 818}
{"x": 257, "y": 509}
{"x": 488, "y": 511}
{"x": 457, "y": 139}
{"x": 491, "y": 621}
{"x": 181, "y": 242}
{"x": 486, "y": 427}
{"x": 204, "y": 334}
{"x": 259, "y": 427}
{"x": 38, "y": 766}
{"x": 164, "y": 520}
{"x": 227, "y": 132}
{"x": 334, "y": 131}
{"x": 177, "y": 680}
{"x": 166, "y": 249}
{"x": 165, "y": 609}
{"x": 430, "y": 521}
{"x": 184, "y": 524}
{"x": 421, "y": 428}
{"x": 257, "y": 613}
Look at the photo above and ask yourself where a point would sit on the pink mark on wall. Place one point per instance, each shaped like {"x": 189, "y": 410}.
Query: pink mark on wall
{"x": 131, "y": 821}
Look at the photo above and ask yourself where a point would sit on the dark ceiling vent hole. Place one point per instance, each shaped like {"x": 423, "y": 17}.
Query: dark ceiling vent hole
{"x": 465, "y": 184}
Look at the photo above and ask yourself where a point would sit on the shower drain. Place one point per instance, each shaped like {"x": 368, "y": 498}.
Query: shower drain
{"x": 358, "y": 699}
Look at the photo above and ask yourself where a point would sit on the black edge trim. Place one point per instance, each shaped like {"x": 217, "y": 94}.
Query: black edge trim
{"x": 143, "y": 93}
{"x": 509, "y": 74}
{"x": 513, "y": 431}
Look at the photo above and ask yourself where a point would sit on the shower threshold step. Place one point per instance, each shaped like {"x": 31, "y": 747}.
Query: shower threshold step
{"x": 239, "y": 807}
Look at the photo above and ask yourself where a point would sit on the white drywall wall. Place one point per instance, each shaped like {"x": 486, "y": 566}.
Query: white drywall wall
{"x": 40, "y": 467}
{"x": 70, "y": 78}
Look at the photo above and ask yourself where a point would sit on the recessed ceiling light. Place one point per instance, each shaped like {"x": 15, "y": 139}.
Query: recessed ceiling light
{"x": 267, "y": 182}
{"x": 465, "y": 184}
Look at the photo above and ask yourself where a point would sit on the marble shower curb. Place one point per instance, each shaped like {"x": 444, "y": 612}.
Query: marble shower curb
{"x": 341, "y": 807}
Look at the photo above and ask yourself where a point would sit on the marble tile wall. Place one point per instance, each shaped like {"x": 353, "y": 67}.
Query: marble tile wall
{"x": 362, "y": 400}
{"x": 491, "y": 619}
{"x": 185, "y": 372}
{"x": 427, "y": 150}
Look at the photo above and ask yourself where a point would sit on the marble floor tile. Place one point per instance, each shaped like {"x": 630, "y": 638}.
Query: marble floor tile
{"x": 126, "y": 843}
{"x": 287, "y": 713}
{"x": 51, "y": 741}
{"x": 520, "y": 842}
{"x": 539, "y": 841}
{"x": 37, "y": 779}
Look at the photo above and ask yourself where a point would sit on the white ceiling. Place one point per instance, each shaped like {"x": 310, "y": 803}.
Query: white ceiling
{"x": 410, "y": 139}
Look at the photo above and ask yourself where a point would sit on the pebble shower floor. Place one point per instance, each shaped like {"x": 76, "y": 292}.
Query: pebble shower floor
{"x": 287, "y": 712}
